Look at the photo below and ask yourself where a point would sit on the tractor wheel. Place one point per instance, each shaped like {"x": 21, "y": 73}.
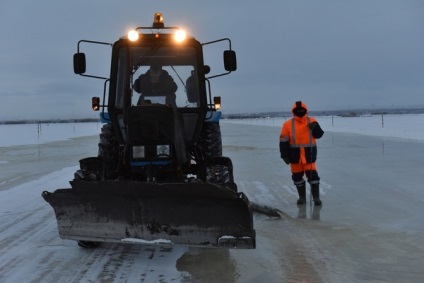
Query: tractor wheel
{"x": 210, "y": 140}
{"x": 109, "y": 150}
{"x": 217, "y": 174}
{"x": 211, "y": 145}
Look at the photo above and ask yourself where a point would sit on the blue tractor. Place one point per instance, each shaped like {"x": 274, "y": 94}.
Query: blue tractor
{"x": 159, "y": 176}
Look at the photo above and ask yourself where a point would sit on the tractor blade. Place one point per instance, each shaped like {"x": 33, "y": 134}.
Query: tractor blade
{"x": 194, "y": 214}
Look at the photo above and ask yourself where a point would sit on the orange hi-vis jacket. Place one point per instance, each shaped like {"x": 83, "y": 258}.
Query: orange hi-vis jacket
{"x": 298, "y": 142}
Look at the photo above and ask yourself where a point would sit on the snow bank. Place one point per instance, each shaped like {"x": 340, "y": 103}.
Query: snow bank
{"x": 408, "y": 126}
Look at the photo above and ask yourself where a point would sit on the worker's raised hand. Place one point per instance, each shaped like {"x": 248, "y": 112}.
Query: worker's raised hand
{"x": 312, "y": 125}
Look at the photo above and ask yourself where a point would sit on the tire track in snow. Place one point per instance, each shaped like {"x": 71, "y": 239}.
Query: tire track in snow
{"x": 30, "y": 232}
{"x": 32, "y": 251}
{"x": 282, "y": 245}
{"x": 24, "y": 225}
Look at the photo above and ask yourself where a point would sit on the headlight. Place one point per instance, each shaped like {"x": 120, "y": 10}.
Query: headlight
{"x": 163, "y": 150}
{"x": 133, "y": 35}
{"x": 180, "y": 35}
{"x": 138, "y": 151}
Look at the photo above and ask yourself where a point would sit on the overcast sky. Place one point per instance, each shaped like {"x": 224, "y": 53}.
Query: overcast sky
{"x": 332, "y": 54}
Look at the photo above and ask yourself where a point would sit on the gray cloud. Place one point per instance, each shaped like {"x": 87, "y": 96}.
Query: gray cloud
{"x": 332, "y": 54}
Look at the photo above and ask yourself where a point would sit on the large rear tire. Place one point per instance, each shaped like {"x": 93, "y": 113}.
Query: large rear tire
{"x": 210, "y": 140}
{"x": 109, "y": 150}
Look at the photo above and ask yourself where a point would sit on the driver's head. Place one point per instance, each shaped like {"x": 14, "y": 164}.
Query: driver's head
{"x": 155, "y": 71}
{"x": 155, "y": 66}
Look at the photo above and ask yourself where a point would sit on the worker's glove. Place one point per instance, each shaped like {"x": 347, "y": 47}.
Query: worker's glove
{"x": 312, "y": 125}
{"x": 286, "y": 160}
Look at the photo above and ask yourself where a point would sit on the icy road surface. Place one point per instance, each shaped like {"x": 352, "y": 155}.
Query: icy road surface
{"x": 370, "y": 228}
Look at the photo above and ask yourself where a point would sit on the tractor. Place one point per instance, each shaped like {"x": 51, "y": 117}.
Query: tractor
{"x": 159, "y": 176}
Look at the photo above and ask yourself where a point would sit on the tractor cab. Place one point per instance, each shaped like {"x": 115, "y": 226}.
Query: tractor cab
{"x": 159, "y": 95}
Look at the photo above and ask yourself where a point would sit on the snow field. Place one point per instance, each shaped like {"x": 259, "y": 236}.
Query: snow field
{"x": 408, "y": 126}
{"x": 24, "y": 134}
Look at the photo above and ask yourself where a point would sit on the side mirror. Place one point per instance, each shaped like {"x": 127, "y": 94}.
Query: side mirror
{"x": 79, "y": 63}
{"x": 95, "y": 103}
{"x": 230, "y": 60}
{"x": 206, "y": 69}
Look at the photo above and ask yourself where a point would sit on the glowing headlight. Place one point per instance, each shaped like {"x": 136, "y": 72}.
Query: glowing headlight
{"x": 180, "y": 35}
{"x": 133, "y": 35}
{"x": 138, "y": 151}
{"x": 163, "y": 151}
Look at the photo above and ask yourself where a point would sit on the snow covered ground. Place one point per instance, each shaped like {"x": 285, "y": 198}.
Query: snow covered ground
{"x": 351, "y": 239}
{"x": 24, "y": 134}
{"x": 401, "y": 126}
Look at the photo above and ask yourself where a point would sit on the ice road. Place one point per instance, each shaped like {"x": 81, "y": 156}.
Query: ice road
{"x": 370, "y": 228}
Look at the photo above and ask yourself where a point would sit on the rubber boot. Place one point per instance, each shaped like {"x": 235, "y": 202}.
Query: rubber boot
{"x": 301, "y": 190}
{"x": 315, "y": 194}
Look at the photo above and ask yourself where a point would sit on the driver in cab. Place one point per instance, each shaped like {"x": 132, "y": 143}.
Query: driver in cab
{"x": 155, "y": 84}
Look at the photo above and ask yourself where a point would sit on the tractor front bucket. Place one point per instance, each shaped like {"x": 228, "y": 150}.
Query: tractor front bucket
{"x": 192, "y": 214}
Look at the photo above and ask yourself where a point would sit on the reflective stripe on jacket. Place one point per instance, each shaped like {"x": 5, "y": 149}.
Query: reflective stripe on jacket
{"x": 297, "y": 142}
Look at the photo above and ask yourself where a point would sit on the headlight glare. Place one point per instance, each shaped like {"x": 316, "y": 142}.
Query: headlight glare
{"x": 180, "y": 35}
{"x": 133, "y": 35}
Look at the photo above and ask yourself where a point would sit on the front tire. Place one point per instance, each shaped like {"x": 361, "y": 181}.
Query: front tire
{"x": 211, "y": 145}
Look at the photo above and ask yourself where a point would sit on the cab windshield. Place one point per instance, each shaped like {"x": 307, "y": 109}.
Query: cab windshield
{"x": 158, "y": 75}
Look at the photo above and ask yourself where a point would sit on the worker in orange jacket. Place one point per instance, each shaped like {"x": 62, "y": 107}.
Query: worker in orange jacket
{"x": 298, "y": 148}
